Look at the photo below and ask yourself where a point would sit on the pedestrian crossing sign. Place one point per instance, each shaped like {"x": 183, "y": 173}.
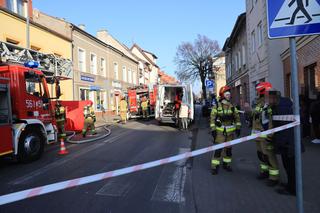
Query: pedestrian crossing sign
{"x": 290, "y": 18}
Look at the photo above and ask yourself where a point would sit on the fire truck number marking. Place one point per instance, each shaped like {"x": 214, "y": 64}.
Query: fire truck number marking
{"x": 29, "y": 103}
{"x": 32, "y": 104}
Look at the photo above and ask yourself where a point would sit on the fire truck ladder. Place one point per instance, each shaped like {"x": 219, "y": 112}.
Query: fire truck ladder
{"x": 49, "y": 64}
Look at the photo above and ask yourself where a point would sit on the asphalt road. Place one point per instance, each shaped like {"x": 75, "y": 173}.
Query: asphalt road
{"x": 184, "y": 186}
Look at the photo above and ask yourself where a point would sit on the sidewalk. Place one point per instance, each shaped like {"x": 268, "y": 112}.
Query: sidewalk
{"x": 240, "y": 191}
{"x": 103, "y": 119}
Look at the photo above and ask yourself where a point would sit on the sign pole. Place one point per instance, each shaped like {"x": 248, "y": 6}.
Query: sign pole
{"x": 297, "y": 133}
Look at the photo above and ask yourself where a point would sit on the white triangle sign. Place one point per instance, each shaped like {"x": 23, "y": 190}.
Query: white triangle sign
{"x": 297, "y": 12}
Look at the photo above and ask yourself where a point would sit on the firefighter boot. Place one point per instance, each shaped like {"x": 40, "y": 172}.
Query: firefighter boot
{"x": 227, "y": 167}
{"x": 272, "y": 183}
{"x": 214, "y": 171}
{"x": 263, "y": 175}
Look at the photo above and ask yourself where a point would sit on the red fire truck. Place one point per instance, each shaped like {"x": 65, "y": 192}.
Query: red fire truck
{"x": 27, "y": 120}
{"x": 135, "y": 95}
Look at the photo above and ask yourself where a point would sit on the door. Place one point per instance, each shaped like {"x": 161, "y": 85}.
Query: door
{"x": 6, "y": 144}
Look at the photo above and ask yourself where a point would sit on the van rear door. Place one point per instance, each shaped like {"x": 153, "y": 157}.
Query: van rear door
{"x": 159, "y": 100}
{"x": 190, "y": 100}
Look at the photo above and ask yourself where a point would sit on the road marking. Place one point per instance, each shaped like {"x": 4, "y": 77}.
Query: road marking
{"x": 170, "y": 186}
{"x": 30, "y": 176}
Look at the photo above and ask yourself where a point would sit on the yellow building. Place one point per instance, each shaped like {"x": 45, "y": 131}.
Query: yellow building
{"x": 42, "y": 39}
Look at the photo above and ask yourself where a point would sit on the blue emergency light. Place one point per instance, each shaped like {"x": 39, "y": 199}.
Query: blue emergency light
{"x": 31, "y": 64}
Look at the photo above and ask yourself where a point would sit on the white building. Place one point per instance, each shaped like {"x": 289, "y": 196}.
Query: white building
{"x": 264, "y": 54}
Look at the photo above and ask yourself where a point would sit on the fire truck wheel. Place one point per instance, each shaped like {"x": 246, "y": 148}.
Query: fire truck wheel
{"x": 31, "y": 145}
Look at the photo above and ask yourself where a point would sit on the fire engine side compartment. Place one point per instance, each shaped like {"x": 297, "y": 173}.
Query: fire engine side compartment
{"x": 6, "y": 144}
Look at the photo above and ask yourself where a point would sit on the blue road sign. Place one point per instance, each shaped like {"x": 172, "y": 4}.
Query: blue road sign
{"x": 290, "y": 18}
{"x": 209, "y": 83}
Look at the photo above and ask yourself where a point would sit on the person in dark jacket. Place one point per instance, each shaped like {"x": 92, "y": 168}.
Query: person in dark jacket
{"x": 284, "y": 140}
{"x": 315, "y": 118}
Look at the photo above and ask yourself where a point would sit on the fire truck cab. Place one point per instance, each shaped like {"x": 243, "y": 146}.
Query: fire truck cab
{"x": 26, "y": 112}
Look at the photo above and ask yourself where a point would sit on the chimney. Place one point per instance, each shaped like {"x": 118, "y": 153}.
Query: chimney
{"x": 103, "y": 35}
{"x": 82, "y": 27}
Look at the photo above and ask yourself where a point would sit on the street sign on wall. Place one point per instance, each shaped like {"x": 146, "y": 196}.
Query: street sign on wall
{"x": 290, "y": 18}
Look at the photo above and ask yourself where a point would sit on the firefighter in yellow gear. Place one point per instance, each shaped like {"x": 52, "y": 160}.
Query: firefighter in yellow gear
{"x": 123, "y": 110}
{"x": 60, "y": 116}
{"x": 89, "y": 120}
{"x": 224, "y": 123}
{"x": 145, "y": 108}
{"x": 262, "y": 121}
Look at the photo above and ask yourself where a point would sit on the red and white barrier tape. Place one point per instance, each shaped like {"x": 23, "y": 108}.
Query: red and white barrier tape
{"x": 21, "y": 195}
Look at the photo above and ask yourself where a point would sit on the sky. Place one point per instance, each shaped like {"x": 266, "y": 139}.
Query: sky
{"x": 156, "y": 26}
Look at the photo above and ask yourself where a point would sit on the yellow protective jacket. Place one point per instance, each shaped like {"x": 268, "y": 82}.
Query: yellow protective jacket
{"x": 123, "y": 106}
{"x": 144, "y": 105}
{"x": 225, "y": 117}
{"x": 261, "y": 117}
{"x": 89, "y": 112}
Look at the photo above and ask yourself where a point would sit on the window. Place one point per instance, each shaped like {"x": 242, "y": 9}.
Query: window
{"x": 93, "y": 63}
{"x": 35, "y": 48}
{"x": 260, "y": 34}
{"x": 10, "y": 5}
{"x": 243, "y": 55}
{"x": 124, "y": 73}
{"x": 239, "y": 60}
{"x": 12, "y": 41}
{"x": 20, "y": 8}
{"x": 134, "y": 77}
{"x": 116, "y": 71}
{"x": 81, "y": 60}
{"x": 34, "y": 85}
{"x": 129, "y": 75}
{"x": 235, "y": 62}
{"x": 103, "y": 71}
{"x": 16, "y": 6}
{"x": 253, "y": 42}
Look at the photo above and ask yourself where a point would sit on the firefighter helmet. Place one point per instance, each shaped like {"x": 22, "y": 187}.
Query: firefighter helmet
{"x": 223, "y": 90}
{"x": 262, "y": 87}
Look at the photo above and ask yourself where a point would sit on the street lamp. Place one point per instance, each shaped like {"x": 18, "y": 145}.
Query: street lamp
{"x": 27, "y": 25}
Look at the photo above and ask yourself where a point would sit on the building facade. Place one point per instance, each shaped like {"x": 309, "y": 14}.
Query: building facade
{"x": 219, "y": 72}
{"x": 308, "y": 68}
{"x": 236, "y": 50}
{"x": 42, "y": 39}
{"x": 264, "y": 60}
{"x": 103, "y": 67}
{"x": 148, "y": 65}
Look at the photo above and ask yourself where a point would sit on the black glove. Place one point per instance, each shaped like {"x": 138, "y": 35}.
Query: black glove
{"x": 238, "y": 132}
{"x": 214, "y": 134}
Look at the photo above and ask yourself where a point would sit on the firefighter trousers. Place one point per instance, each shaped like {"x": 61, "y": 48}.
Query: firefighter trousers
{"x": 225, "y": 153}
{"x": 123, "y": 115}
{"x": 88, "y": 124}
{"x": 268, "y": 159}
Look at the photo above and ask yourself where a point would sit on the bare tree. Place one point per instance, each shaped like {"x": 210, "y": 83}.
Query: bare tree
{"x": 194, "y": 61}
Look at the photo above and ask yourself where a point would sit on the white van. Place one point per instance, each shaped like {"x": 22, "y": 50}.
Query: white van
{"x": 165, "y": 104}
